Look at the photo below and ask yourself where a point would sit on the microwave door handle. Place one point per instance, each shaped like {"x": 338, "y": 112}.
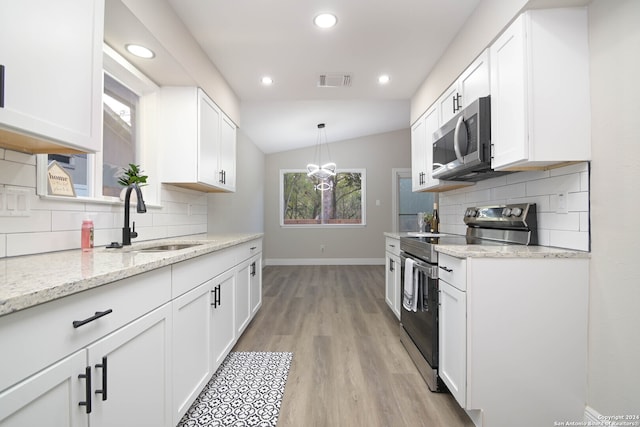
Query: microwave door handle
{"x": 456, "y": 140}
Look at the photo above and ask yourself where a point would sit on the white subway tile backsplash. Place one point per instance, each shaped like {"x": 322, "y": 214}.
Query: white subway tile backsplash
{"x": 552, "y": 185}
{"x": 54, "y": 222}
{"x": 506, "y": 192}
{"x": 578, "y": 240}
{"x": 578, "y": 202}
{"x": 569, "y": 230}
{"x": 555, "y": 221}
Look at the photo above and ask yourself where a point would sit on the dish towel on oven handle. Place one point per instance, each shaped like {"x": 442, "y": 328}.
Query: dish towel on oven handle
{"x": 410, "y": 297}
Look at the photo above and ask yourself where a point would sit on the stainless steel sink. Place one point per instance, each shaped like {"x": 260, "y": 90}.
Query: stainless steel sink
{"x": 168, "y": 247}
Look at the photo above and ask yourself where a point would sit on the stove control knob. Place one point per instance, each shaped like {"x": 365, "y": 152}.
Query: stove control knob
{"x": 506, "y": 212}
{"x": 472, "y": 213}
{"x": 516, "y": 212}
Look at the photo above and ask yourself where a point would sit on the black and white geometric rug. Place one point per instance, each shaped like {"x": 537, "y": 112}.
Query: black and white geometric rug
{"x": 246, "y": 391}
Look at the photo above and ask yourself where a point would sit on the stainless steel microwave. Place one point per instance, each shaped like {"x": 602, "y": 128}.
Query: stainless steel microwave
{"x": 462, "y": 147}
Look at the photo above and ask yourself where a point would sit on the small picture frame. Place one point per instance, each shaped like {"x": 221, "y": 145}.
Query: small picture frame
{"x": 59, "y": 181}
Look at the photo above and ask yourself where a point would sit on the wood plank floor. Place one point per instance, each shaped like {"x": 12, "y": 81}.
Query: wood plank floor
{"x": 349, "y": 367}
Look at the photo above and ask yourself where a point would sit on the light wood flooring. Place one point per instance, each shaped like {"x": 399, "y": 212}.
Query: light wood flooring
{"x": 349, "y": 367}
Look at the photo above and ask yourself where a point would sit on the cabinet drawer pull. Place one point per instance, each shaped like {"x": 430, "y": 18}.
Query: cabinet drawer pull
{"x": 253, "y": 248}
{"x": 87, "y": 389}
{"x": 448, "y": 270}
{"x": 103, "y": 366}
{"x": 99, "y": 314}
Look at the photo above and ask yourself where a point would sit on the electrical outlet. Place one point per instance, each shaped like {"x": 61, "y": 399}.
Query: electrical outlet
{"x": 562, "y": 203}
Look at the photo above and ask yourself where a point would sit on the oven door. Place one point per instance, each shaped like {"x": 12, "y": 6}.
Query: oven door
{"x": 422, "y": 325}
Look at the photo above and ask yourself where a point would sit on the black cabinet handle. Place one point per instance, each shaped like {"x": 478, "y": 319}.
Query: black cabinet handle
{"x": 391, "y": 265}
{"x": 87, "y": 389}
{"x": 1, "y": 86}
{"x": 448, "y": 270}
{"x": 216, "y": 296}
{"x": 223, "y": 177}
{"x": 253, "y": 269}
{"x": 99, "y": 314}
{"x": 103, "y": 366}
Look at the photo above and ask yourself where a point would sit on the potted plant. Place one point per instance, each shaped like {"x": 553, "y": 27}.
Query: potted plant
{"x": 131, "y": 175}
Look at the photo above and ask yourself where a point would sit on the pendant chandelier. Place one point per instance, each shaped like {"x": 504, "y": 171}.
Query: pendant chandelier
{"x": 319, "y": 170}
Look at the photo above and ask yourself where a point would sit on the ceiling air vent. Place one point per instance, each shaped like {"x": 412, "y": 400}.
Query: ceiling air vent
{"x": 334, "y": 80}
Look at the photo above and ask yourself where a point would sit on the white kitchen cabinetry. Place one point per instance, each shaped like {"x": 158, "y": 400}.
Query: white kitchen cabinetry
{"x": 540, "y": 102}
{"x": 197, "y": 141}
{"x": 472, "y": 84}
{"x": 127, "y": 357}
{"x": 392, "y": 276}
{"x": 452, "y": 340}
{"x": 243, "y": 301}
{"x": 50, "y": 67}
{"x": 255, "y": 291}
{"x": 223, "y": 335}
{"x": 49, "y": 397}
{"x": 133, "y": 367}
{"x": 192, "y": 347}
{"x": 513, "y": 346}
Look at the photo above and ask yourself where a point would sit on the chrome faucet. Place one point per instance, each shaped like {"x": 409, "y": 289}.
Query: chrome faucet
{"x": 127, "y": 234}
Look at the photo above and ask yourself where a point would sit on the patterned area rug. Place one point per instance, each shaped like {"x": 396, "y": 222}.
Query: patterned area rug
{"x": 246, "y": 390}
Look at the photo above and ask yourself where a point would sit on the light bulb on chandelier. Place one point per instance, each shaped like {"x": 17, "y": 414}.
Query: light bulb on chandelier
{"x": 318, "y": 170}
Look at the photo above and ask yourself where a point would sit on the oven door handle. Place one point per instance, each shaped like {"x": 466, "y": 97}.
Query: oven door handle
{"x": 430, "y": 270}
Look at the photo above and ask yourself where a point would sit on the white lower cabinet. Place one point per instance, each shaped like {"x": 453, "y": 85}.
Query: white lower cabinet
{"x": 123, "y": 379}
{"x": 243, "y": 301}
{"x": 453, "y": 340}
{"x": 143, "y": 358}
{"x": 393, "y": 270}
{"x": 49, "y": 398}
{"x": 513, "y": 337}
{"x": 191, "y": 346}
{"x": 255, "y": 285}
{"x": 223, "y": 335}
{"x": 131, "y": 374}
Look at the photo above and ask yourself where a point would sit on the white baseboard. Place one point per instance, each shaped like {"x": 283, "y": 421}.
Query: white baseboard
{"x": 324, "y": 261}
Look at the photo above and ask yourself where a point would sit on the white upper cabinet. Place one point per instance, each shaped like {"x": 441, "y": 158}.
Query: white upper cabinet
{"x": 197, "y": 141}
{"x": 540, "y": 104}
{"x": 51, "y": 58}
{"x": 472, "y": 84}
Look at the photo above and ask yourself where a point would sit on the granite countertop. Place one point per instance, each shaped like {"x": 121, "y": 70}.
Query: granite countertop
{"x": 26, "y": 281}
{"x": 498, "y": 251}
{"x": 509, "y": 251}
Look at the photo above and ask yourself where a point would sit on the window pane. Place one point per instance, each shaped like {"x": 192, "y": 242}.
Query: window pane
{"x": 304, "y": 204}
{"x": 119, "y": 133}
{"x": 76, "y": 166}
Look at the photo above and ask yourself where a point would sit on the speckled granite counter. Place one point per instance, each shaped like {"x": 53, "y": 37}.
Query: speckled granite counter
{"x": 508, "y": 251}
{"x": 30, "y": 280}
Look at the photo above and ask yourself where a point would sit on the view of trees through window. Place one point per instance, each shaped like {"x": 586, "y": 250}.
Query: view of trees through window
{"x": 303, "y": 204}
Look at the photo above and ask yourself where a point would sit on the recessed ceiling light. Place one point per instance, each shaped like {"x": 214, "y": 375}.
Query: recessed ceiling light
{"x": 267, "y": 81}
{"x": 383, "y": 79}
{"x": 325, "y": 20}
{"x": 140, "y": 51}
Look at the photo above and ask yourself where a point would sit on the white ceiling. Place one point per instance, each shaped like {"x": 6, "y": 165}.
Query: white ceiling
{"x": 247, "y": 39}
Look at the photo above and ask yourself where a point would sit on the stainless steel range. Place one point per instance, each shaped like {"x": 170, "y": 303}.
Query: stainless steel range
{"x": 514, "y": 224}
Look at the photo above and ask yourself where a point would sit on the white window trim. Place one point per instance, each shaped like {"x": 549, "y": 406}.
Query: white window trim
{"x": 363, "y": 196}
{"x": 120, "y": 69}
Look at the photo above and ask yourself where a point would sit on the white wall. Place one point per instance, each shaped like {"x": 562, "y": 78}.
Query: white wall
{"x": 614, "y": 320}
{"x": 242, "y": 211}
{"x": 378, "y": 154}
{"x": 54, "y": 224}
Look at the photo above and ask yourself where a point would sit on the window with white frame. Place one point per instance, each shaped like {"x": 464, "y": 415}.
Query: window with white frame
{"x": 303, "y": 204}
{"x": 96, "y": 175}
